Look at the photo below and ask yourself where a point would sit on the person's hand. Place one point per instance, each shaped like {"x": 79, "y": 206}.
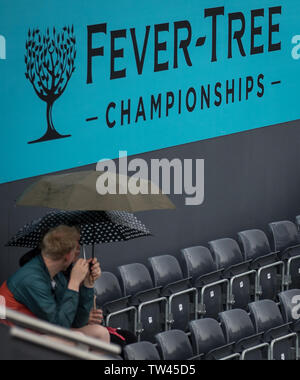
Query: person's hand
{"x": 96, "y": 317}
{"x": 94, "y": 273}
{"x": 78, "y": 274}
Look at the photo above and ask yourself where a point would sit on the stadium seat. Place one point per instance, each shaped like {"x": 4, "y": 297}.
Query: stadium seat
{"x": 238, "y": 328}
{"x": 198, "y": 264}
{"x": 152, "y": 309}
{"x": 228, "y": 256}
{"x": 270, "y": 270}
{"x": 290, "y": 308}
{"x": 174, "y": 345}
{"x": 208, "y": 340}
{"x": 141, "y": 351}
{"x": 182, "y": 299}
{"x": 116, "y": 309}
{"x": 298, "y": 221}
{"x": 267, "y": 319}
{"x": 287, "y": 243}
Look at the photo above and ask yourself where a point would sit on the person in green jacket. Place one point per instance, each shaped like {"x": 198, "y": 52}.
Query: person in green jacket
{"x": 42, "y": 288}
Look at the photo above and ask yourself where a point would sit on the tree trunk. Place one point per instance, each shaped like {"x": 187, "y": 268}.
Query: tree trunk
{"x": 51, "y": 128}
{"x": 51, "y": 133}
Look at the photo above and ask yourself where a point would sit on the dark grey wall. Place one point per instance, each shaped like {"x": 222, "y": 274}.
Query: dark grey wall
{"x": 251, "y": 179}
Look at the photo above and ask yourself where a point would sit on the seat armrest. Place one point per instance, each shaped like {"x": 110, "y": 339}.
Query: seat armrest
{"x": 237, "y": 269}
{"x": 263, "y": 261}
{"x": 287, "y": 253}
{"x": 221, "y": 352}
{"x": 145, "y": 296}
{"x": 208, "y": 279}
{"x": 197, "y": 357}
{"x": 296, "y": 326}
{"x": 176, "y": 287}
{"x": 249, "y": 342}
{"x": 116, "y": 305}
{"x": 278, "y": 332}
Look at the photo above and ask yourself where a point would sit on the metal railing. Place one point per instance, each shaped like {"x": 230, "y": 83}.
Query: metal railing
{"x": 81, "y": 343}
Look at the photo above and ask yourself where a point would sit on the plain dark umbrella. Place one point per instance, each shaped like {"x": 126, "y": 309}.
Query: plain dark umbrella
{"x": 77, "y": 191}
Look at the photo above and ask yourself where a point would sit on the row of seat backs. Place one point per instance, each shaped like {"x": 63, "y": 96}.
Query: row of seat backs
{"x": 164, "y": 270}
{"x": 207, "y": 335}
{"x": 255, "y": 243}
{"x": 194, "y": 262}
{"x": 136, "y": 278}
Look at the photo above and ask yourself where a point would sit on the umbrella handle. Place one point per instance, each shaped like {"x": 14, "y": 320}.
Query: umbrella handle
{"x": 93, "y": 256}
{"x": 84, "y": 254}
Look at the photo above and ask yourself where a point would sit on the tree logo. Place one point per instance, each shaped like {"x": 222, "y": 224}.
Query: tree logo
{"x": 49, "y": 63}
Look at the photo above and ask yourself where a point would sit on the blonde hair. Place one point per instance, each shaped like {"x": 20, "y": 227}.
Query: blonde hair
{"x": 60, "y": 241}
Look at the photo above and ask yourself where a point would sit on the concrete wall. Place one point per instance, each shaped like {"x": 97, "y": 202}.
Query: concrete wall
{"x": 251, "y": 179}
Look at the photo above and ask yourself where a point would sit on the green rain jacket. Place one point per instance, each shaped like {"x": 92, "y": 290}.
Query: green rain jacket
{"x": 51, "y": 300}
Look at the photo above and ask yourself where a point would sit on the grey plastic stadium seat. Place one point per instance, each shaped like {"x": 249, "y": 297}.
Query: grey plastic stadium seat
{"x": 267, "y": 319}
{"x": 228, "y": 256}
{"x": 152, "y": 309}
{"x": 165, "y": 270}
{"x": 298, "y": 221}
{"x": 166, "y": 273}
{"x": 287, "y": 242}
{"x": 238, "y": 327}
{"x": 116, "y": 309}
{"x": 141, "y": 351}
{"x": 255, "y": 244}
{"x": 290, "y": 308}
{"x": 270, "y": 270}
{"x": 285, "y": 235}
{"x": 197, "y": 263}
{"x": 208, "y": 340}
{"x": 174, "y": 345}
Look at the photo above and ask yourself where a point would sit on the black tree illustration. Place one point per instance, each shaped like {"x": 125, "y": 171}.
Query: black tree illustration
{"x": 49, "y": 63}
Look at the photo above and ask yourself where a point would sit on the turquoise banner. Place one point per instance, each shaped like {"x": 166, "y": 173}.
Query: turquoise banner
{"x": 81, "y": 81}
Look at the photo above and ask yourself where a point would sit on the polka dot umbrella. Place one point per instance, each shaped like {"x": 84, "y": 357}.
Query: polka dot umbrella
{"x": 96, "y": 227}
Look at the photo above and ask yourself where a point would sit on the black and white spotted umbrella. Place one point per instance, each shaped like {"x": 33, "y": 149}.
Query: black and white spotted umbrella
{"x": 96, "y": 227}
